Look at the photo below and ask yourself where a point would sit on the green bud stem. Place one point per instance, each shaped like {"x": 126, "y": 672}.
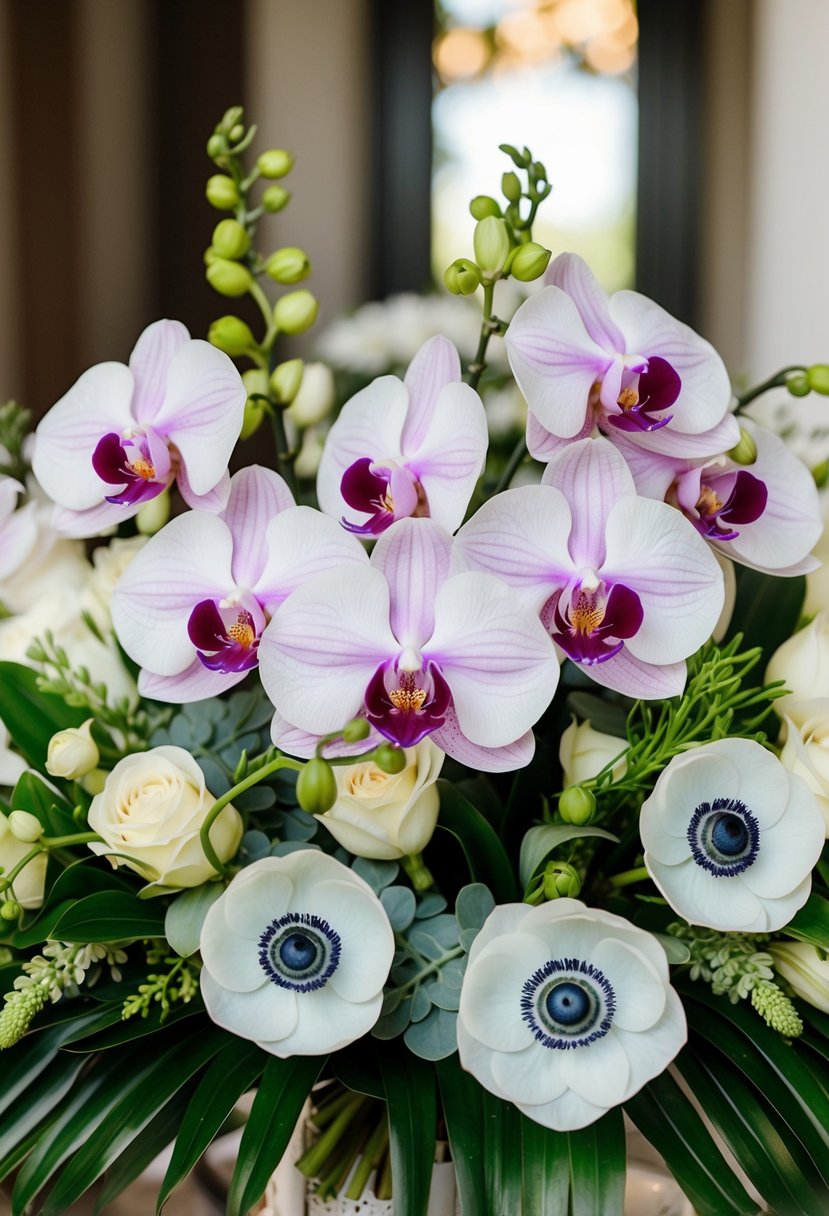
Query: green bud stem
{"x": 488, "y": 328}
{"x": 512, "y": 466}
{"x": 383, "y": 1188}
{"x": 417, "y": 871}
{"x": 60, "y": 842}
{"x": 6, "y": 880}
{"x": 219, "y": 805}
{"x": 311, "y": 1163}
{"x": 778, "y": 380}
{"x": 377, "y": 1145}
{"x": 628, "y": 877}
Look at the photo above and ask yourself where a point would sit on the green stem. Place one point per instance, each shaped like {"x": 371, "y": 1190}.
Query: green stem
{"x": 372, "y": 1153}
{"x": 6, "y": 880}
{"x": 418, "y": 872}
{"x": 628, "y": 877}
{"x": 284, "y": 461}
{"x": 432, "y": 968}
{"x": 778, "y": 380}
{"x": 512, "y": 466}
{"x": 219, "y": 805}
{"x": 311, "y": 1163}
{"x": 264, "y": 307}
{"x": 59, "y": 842}
{"x": 383, "y": 1187}
{"x": 478, "y": 366}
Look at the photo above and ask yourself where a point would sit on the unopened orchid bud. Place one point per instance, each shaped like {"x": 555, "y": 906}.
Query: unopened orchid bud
{"x": 798, "y": 384}
{"x": 275, "y": 198}
{"x": 462, "y": 278}
{"x": 492, "y": 244}
{"x": 529, "y": 262}
{"x": 255, "y": 380}
{"x": 314, "y": 399}
{"x": 236, "y": 133}
{"x": 316, "y": 787}
{"x": 215, "y": 146}
{"x": 356, "y": 730}
{"x": 276, "y": 162}
{"x": 229, "y": 278}
{"x": 25, "y": 826}
{"x": 230, "y": 239}
{"x": 253, "y": 417}
{"x": 285, "y": 380}
{"x": 577, "y": 805}
{"x": 232, "y": 335}
{"x": 288, "y": 265}
{"x": 222, "y": 192}
{"x": 309, "y": 456}
{"x": 153, "y": 514}
{"x": 232, "y": 116}
{"x": 390, "y": 758}
{"x": 820, "y": 473}
{"x": 561, "y": 881}
{"x": 72, "y": 753}
{"x": 482, "y": 206}
{"x": 296, "y": 311}
{"x": 10, "y": 909}
{"x": 745, "y": 451}
{"x": 511, "y": 186}
{"x": 818, "y": 376}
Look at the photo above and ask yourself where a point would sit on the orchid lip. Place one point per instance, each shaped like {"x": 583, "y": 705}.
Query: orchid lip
{"x": 226, "y": 636}
{"x": 404, "y": 705}
{"x": 744, "y": 504}
{"x": 383, "y": 492}
{"x": 139, "y": 463}
{"x": 595, "y": 624}
{"x": 646, "y": 392}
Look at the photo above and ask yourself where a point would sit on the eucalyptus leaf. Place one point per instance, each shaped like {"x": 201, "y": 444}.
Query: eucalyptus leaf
{"x": 435, "y": 1037}
{"x": 429, "y": 905}
{"x": 378, "y": 874}
{"x": 539, "y": 842}
{"x": 400, "y": 905}
{"x": 421, "y": 1004}
{"x": 185, "y": 916}
{"x": 393, "y": 1023}
{"x": 426, "y": 945}
{"x": 443, "y": 995}
{"x": 473, "y": 905}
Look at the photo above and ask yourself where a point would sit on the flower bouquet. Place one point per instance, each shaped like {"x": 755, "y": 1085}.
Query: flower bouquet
{"x": 457, "y": 803}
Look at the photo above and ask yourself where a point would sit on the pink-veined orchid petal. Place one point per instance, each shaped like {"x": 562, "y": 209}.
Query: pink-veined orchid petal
{"x": 652, "y": 472}
{"x": 495, "y": 656}
{"x": 323, "y": 645}
{"x": 520, "y": 536}
{"x": 451, "y": 739}
{"x": 593, "y": 477}
{"x": 189, "y": 560}
{"x": 414, "y": 557}
{"x": 649, "y": 330}
{"x": 543, "y": 445}
{"x": 369, "y": 427}
{"x": 300, "y": 544}
{"x": 635, "y": 678}
{"x": 18, "y": 533}
{"x": 202, "y": 411}
{"x": 672, "y": 442}
{"x": 97, "y": 404}
{"x": 214, "y": 501}
{"x": 435, "y": 365}
{"x": 150, "y": 362}
{"x": 99, "y": 520}
{"x": 302, "y": 743}
{"x": 655, "y": 551}
{"x": 554, "y": 360}
{"x": 256, "y": 495}
{"x": 195, "y": 683}
{"x": 572, "y": 274}
{"x": 453, "y": 453}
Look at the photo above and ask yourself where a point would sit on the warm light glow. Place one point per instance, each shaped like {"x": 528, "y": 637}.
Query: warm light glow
{"x": 460, "y": 54}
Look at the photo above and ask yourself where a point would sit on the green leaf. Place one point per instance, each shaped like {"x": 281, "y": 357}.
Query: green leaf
{"x": 118, "y": 1031}
{"x": 32, "y": 794}
{"x": 185, "y": 916}
{"x": 666, "y": 1117}
{"x": 409, "y": 1086}
{"x": 135, "y": 1158}
{"x": 82, "y": 878}
{"x": 34, "y": 1054}
{"x": 435, "y": 1037}
{"x": 276, "y": 1108}
{"x": 32, "y": 716}
{"x": 473, "y": 905}
{"x": 539, "y": 842}
{"x": 597, "y": 1167}
{"x": 233, "y": 1071}
{"x": 502, "y": 1156}
{"x": 110, "y": 916}
{"x": 545, "y": 1159}
{"x": 378, "y": 874}
{"x": 357, "y": 1067}
{"x": 811, "y": 923}
{"x": 35, "y": 1104}
{"x": 462, "y": 1102}
{"x": 400, "y": 904}
{"x": 485, "y": 855}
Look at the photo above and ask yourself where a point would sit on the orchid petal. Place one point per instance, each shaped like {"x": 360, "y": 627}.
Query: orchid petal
{"x": 299, "y": 544}
{"x": 495, "y": 656}
{"x": 195, "y": 683}
{"x": 414, "y": 557}
{"x": 202, "y": 411}
{"x": 434, "y": 366}
{"x": 214, "y": 501}
{"x": 654, "y": 550}
{"x": 543, "y": 445}
{"x": 572, "y": 274}
{"x": 97, "y": 404}
{"x": 150, "y": 362}
{"x": 671, "y": 441}
{"x": 653, "y": 472}
{"x": 18, "y": 534}
{"x": 635, "y": 678}
{"x": 95, "y": 521}
{"x": 554, "y": 360}
{"x": 451, "y": 739}
{"x": 256, "y": 496}
{"x": 453, "y": 453}
{"x": 649, "y": 330}
{"x": 369, "y": 426}
{"x": 321, "y": 648}
{"x": 187, "y": 561}
{"x": 520, "y": 536}
{"x": 302, "y": 743}
{"x": 593, "y": 477}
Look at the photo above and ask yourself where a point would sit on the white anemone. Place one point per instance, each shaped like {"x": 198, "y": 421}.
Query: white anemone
{"x": 731, "y": 837}
{"x": 566, "y": 1011}
{"x": 296, "y": 953}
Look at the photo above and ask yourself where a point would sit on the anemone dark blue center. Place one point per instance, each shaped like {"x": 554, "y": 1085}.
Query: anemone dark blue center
{"x": 567, "y": 1003}
{"x": 729, "y": 835}
{"x": 298, "y": 952}
{"x": 724, "y": 837}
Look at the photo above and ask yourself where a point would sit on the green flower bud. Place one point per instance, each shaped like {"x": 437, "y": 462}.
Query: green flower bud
{"x": 25, "y": 826}
{"x": 538, "y": 171}
{"x": 798, "y": 384}
{"x": 462, "y": 278}
{"x": 316, "y": 787}
{"x": 275, "y": 198}
{"x": 511, "y": 187}
{"x": 745, "y": 451}
{"x": 153, "y": 514}
{"x": 222, "y": 192}
{"x": 561, "y": 881}
{"x": 296, "y": 312}
{"x": 276, "y": 162}
{"x": 482, "y": 206}
{"x": 229, "y": 278}
{"x": 577, "y": 805}
{"x": 491, "y": 243}
{"x": 255, "y": 380}
{"x": 231, "y": 334}
{"x": 215, "y": 146}
{"x": 236, "y": 133}
{"x": 520, "y": 159}
{"x": 529, "y": 262}
{"x": 821, "y": 474}
{"x": 230, "y": 118}
{"x": 776, "y": 1009}
{"x": 10, "y": 909}
{"x": 286, "y": 379}
{"x": 355, "y": 730}
{"x": 210, "y": 255}
{"x": 253, "y": 417}
{"x": 818, "y": 375}
{"x": 288, "y": 265}
{"x": 230, "y": 239}
{"x": 390, "y": 758}
{"x": 72, "y": 752}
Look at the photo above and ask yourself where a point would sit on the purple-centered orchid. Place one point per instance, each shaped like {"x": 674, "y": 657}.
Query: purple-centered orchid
{"x": 622, "y": 365}
{"x": 121, "y": 434}
{"x": 765, "y": 515}
{"x": 624, "y": 585}
{"x": 404, "y": 448}
{"x": 415, "y": 649}
{"x": 192, "y": 606}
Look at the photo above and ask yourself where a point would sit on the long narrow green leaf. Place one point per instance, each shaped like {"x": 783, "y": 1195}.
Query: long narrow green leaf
{"x": 485, "y": 854}
{"x": 32, "y": 1056}
{"x": 135, "y": 1158}
{"x": 811, "y": 923}
{"x": 597, "y": 1167}
{"x": 116, "y": 1031}
{"x": 35, "y": 1105}
{"x": 545, "y": 1183}
{"x": 666, "y": 1118}
{"x": 232, "y": 1072}
{"x": 276, "y": 1108}
{"x": 502, "y": 1156}
{"x": 462, "y": 1102}
{"x": 409, "y": 1084}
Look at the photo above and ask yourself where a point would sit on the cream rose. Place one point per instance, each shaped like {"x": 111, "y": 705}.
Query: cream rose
{"x": 150, "y": 813}
{"x": 385, "y": 816}
{"x": 802, "y": 663}
{"x": 28, "y": 887}
{"x": 805, "y": 970}
{"x": 806, "y": 749}
{"x": 584, "y": 752}
{"x": 108, "y": 564}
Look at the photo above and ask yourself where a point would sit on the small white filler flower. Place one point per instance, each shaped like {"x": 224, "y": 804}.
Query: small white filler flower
{"x": 296, "y": 953}
{"x": 731, "y": 837}
{"x": 566, "y": 1011}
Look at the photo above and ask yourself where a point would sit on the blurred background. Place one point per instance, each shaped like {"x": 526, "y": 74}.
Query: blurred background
{"x": 685, "y": 141}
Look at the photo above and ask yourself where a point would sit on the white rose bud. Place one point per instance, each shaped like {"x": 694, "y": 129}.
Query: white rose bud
{"x": 584, "y": 752}
{"x": 315, "y": 398}
{"x": 73, "y": 752}
{"x": 25, "y": 826}
{"x": 802, "y": 663}
{"x": 30, "y": 883}
{"x": 806, "y": 750}
{"x": 150, "y": 813}
{"x": 387, "y": 816}
{"x": 805, "y": 970}
{"x": 817, "y": 581}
